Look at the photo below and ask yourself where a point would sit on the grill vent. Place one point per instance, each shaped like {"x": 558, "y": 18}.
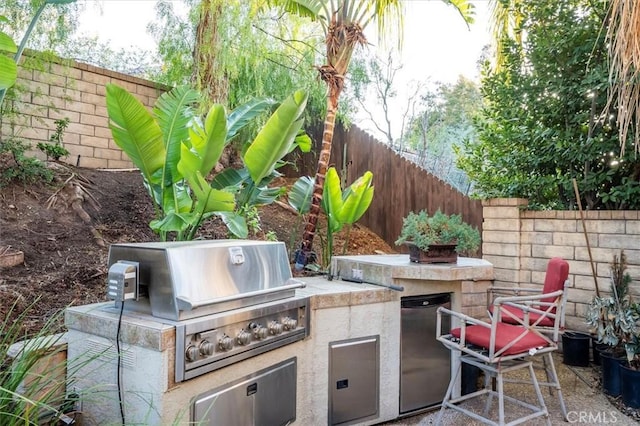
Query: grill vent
{"x": 107, "y": 353}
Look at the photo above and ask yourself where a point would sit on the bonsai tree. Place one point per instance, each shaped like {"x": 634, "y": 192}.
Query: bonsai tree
{"x": 424, "y": 230}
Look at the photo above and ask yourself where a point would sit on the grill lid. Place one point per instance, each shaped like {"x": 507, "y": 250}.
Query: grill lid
{"x": 179, "y": 280}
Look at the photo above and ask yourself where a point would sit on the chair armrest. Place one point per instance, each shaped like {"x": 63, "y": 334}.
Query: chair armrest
{"x": 463, "y": 319}
{"x": 515, "y": 289}
{"x": 494, "y": 291}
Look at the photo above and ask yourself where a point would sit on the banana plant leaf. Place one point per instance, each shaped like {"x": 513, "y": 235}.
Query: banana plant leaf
{"x": 248, "y": 193}
{"x": 8, "y": 72}
{"x": 300, "y": 194}
{"x": 177, "y": 198}
{"x": 244, "y": 114}
{"x": 209, "y": 199}
{"x": 136, "y": 132}
{"x": 264, "y": 195}
{"x": 171, "y": 112}
{"x": 201, "y": 152}
{"x": 8, "y": 67}
{"x": 173, "y": 222}
{"x": 357, "y": 199}
{"x": 332, "y": 199}
{"x": 230, "y": 178}
{"x": 302, "y": 141}
{"x": 276, "y": 137}
{"x": 235, "y": 223}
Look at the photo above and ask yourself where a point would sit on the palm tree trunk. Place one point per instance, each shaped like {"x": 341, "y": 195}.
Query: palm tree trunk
{"x": 304, "y": 255}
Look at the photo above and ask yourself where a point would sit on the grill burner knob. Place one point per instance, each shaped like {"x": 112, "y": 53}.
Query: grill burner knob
{"x": 191, "y": 353}
{"x": 243, "y": 338}
{"x": 289, "y": 323}
{"x": 259, "y": 332}
{"x": 206, "y": 348}
{"x": 225, "y": 343}
{"x": 275, "y": 328}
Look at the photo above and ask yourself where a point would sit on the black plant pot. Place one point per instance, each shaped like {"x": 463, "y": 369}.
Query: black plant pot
{"x": 470, "y": 375}
{"x": 575, "y": 348}
{"x": 610, "y": 364}
{"x": 630, "y": 385}
{"x": 596, "y": 348}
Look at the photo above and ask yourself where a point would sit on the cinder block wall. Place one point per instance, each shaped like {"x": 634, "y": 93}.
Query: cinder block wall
{"x": 519, "y": 243}
{"x": 51, "y": 91}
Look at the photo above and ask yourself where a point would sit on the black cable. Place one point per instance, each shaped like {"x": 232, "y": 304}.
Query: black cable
{"x": 119, "y": 368}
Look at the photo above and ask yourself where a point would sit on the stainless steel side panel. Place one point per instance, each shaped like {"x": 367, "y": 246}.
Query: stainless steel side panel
{"x": 354, "y": 380}
{"x": 267, "y": 397}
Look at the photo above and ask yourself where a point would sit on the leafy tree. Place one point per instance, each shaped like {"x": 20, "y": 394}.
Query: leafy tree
{"x": 373, "y": 78}
{"x": 31, "y": 16}
{"x": 443, "y": 122}
{"x": 89, "y": 50}
{"x": 54, "y": 21}
{"x": 243, "y": 50}
{"x": 542, "y": 123}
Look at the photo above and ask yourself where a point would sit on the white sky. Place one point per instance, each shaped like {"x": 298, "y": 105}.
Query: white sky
{"x": 438, "y": 46}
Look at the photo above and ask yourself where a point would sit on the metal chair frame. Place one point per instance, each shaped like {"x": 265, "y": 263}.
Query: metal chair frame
{"x": 495, "y": 360}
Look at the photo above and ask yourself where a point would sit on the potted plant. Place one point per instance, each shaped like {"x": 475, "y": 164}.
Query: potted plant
{"x": 630, "y": 370}
{"x": 612, "y": 319}
{"x": 437, "y": 238}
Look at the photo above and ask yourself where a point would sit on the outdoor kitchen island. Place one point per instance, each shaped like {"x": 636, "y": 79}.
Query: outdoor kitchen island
{"x": 347, "y": 370}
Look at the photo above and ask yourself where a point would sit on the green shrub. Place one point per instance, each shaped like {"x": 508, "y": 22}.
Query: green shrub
{"x": 16, "y": 166}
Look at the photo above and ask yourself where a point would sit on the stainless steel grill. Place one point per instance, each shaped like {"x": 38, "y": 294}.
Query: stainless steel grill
{"x": 229, "y": 299}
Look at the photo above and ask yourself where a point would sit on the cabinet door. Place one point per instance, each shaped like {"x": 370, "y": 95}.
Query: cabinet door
{"x": 354, "y": 380}
{"x": 265, "y": 398}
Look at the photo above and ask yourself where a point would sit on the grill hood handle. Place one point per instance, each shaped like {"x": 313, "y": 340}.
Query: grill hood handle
{"x": 186, "y": 304}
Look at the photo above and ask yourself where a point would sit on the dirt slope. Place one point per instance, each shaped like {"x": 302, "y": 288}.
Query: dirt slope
{"x": 65, "y": 237}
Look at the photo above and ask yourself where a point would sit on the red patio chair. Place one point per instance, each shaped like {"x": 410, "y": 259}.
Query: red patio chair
{"x": 556, "y": 278}
{"x": 499, "y": 348}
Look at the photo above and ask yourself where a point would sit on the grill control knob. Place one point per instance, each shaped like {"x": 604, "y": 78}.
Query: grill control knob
{"x": 191, "y": 353}
{"x": 225, "y": 343}
{"x": 289, "y": 323}
{"x": 206, "y": 348}
{"x": 259, "y": 332}
{"x": 275, "y": 328}
{"x": 243, "y": 338}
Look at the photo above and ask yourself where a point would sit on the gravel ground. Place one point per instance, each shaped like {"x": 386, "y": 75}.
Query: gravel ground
{"x": 583, "y": 396}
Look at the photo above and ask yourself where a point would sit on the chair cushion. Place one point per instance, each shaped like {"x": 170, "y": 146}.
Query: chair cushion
{"x": 505, "y": 334}
{"x": 557, "y": 274}
{"x": 519, "y": 313}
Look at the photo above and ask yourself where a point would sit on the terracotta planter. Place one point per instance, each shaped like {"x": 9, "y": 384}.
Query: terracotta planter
{"x": 437, "y": 253}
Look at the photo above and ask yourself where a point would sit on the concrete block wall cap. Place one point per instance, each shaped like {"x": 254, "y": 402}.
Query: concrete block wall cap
{"x": 506, "y": 202}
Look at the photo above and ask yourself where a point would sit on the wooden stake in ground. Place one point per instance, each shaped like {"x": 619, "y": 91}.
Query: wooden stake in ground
{"x": 584, "y": 229}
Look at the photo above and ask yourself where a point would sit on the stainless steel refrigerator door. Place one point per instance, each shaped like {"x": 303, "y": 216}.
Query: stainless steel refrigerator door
{"x": 425, "y": 363}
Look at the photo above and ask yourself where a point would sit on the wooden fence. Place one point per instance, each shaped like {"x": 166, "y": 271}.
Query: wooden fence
{"x": 400, "y": 185}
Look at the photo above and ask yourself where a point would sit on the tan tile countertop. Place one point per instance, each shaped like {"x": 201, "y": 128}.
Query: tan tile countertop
{"x": 335, "y": 293}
